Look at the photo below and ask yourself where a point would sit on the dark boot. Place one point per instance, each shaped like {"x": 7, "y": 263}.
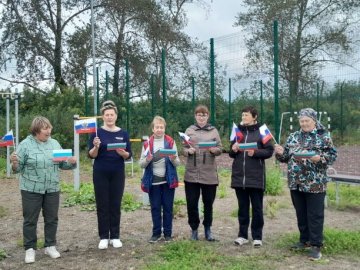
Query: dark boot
{"x": 208, "y": 234}
{"x": 194, "y": 235}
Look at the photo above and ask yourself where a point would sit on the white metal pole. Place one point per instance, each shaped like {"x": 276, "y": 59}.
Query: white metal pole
{"x": 17, "y": 96}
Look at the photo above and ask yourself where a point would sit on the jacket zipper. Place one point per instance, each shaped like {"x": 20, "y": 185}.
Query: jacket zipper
{"x": 247, "y": 133}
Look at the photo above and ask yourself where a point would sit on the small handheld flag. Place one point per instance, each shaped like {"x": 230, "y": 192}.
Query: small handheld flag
{"x": 184, "y": 137}
{"x": 304, "y": 155}
{"x": 204, "y": 145}
{"x": 147, "y": 146}
{"x": 62, "y": 154}
{"x": 7, "y": 140}
{"x": 166, "y": 152}
{"x": 265, "y": 134}
{"x": 247, "y": 146}
{"x": 114, "y": 146}
{"x": 236, "y": 134}
{"x": 85, "y": 126}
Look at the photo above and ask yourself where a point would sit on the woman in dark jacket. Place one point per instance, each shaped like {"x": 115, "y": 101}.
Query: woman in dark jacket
{"x": 248, "y": 176}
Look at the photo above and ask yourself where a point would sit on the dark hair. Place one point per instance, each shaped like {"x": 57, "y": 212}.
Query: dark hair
{"x": 250, "y": 109}
{"x": 201, "y": 109}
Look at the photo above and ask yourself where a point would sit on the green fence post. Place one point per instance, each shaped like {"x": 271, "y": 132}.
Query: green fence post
{"x": 163, "y": 81}
{"x": 97, "y": 90}
{"x": 276, "y": 81}
{"x": 127, "y": 81}
{"x": 230, "y": 113}
{"x": 212, "y": 81}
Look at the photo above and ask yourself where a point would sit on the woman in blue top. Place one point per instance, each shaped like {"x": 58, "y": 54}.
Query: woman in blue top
{"x": 109, "y": 174}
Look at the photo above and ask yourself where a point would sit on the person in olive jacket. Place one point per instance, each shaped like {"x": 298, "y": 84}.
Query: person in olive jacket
{"x": 201, "y": 171}
{"x": 248, "y": 176}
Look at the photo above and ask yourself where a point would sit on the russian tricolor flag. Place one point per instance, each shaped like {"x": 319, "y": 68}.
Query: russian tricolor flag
{"x": 184, "y": 137}
{"x": 114, "y": 146}
{"x": 236, "y": 134}
{"x": 247, "y": 146}
{"x": 85, "y": 126}
{"x": 62, "y": 154}
{"x": 265, "y": 134}
{"x": 7, "y": 140}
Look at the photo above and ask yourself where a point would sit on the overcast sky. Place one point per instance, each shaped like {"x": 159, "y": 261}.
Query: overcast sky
{"x": 218, "y": 21}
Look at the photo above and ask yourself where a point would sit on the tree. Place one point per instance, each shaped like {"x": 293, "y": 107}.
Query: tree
{"x": 311, "y": 34}
{"x": 33, "y": 37}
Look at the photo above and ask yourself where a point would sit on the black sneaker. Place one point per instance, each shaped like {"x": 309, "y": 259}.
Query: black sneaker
{"x": 300, "y": 246}
{"x": 154, "y": 238}
{"x": 314, "y": 253}
{"x": 168, "y": 238}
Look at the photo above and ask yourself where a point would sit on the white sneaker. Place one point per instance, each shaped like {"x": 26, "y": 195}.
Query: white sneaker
{"x": 116, "y": 243}
{"x": 240, "y": 241}
{"x": 52, "y": 252}
{"x": 30, "y": 255}
{"x": 103, "y": 244}
{"x": 257, "y": 243}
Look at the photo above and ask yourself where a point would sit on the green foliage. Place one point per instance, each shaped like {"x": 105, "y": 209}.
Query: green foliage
{"x": 271, "y": 207}
{"x": 3, "y": 211}
{"x": 129, "y": 202}
{"x": 197, "y": 255}
{"x": 349, "y": 196}
{"x": 224, "y": 182}
{"x": 39, "y": 244}
{"x": 3, "y": 166}
{"x": 3, "y": 254}
{"x": 274, "y": 180}
{"x": 178, "y": 203}
{"x": 336, "y": 242}
{"x": 85, "y": 197}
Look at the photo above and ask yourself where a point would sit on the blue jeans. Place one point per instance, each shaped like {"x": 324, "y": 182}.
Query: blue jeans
{"x": 162, "y": 200}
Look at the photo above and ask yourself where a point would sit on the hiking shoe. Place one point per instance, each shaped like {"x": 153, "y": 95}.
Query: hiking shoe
{"x": 103, "y": 244}
{"x": 240, "y": 241}
{"x": 314, "y": 253}
{"x": 30, "y": 255}
{"x": 52, "y": 252}
{"x": 300, "y": 246}
{"x": 257, "y": 243}
{"x": 154, "y": 238}
{"x": 116, "y": 243}
{"x": 168, "y": 238}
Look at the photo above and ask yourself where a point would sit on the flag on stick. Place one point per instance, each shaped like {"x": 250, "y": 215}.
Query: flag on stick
{"x": 184, "y": 137}
{"x": 166, "y": 152}
{"x": 236, "y": 134}
{"x": 265, "y": 134}
{"x": 62, "y": 154}
{"x": 85, "y": 126}
{"x": 7, "y": 140}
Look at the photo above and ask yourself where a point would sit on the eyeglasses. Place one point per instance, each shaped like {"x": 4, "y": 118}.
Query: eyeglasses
{"x": 202, "y": 115}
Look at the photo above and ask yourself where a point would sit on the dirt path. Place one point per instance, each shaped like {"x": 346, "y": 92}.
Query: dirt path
{"x": 77, "y": 235}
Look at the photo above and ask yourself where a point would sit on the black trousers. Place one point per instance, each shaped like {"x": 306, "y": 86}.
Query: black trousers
{"x": 109, "y": 190}
{"x": 244, "y": 197}
{"x": 32, "y": 203}
{"x": 208, "y": 193}
{"x": 309, "y": 209}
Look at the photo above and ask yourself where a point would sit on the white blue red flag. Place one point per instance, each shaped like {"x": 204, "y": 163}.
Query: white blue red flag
{"x": 7, "y": 140}
{"x": 184, "y": 137}
{"x": 236, "y": 134}
{"x": 62, "y": 154}
{"x": 85, "y": 126}
{"x": 265, "y": 134}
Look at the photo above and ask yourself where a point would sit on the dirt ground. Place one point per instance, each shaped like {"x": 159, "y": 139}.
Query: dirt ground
{"x": 78, "y": 239}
